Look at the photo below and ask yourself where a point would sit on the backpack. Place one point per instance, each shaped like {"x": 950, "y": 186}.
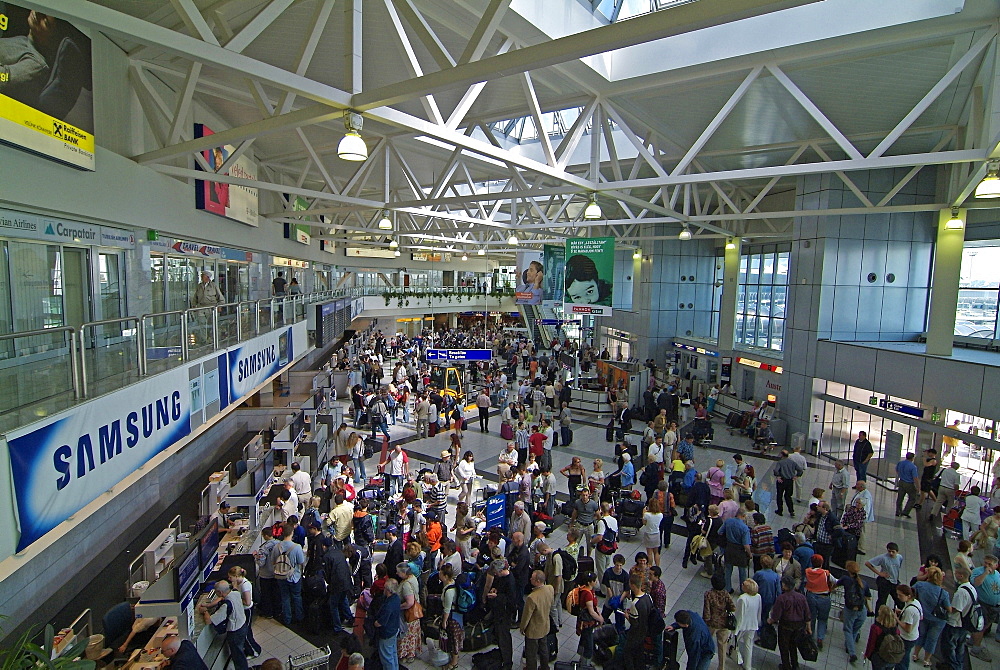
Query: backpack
{"x": 283, "y": 564}
{"x": 314, "y": 586}
{"x": 364, "y": 530}
{"x": 465, "y": 600}
{"x": 572, "y": 604}
{"x": 390, "y": 401}
{"x": 609, "y": 541}
{"x": 656, "y": 624}
{"x": 891, "y": 648}
{"x": 975, "y": 620}
{"x": 569, "y": 565}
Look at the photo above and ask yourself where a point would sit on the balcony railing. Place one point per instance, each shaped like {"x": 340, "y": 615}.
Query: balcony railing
{"x": 45, "y": 371}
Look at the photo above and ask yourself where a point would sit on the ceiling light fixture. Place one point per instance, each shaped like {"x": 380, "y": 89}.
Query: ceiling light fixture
{"x": 385, "y": 223}
{"x": 593, "y": 210}
{"x": 685, "y": 234}
{"x": 637, "y": 254}
{"x": 393, "y": 244}
{"x": 396, "y": 253}
{"x": 465, "y": 256}
{"x": 352, "y": 147}
{"x": 731, "y": 242}
{"x": 954, "y": 223}
{"x": 481, "y": 252}
{"x": 989, "y": 187}
{"x": 512, "y": 240}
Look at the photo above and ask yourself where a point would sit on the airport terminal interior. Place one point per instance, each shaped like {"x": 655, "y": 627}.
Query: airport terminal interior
{"x": 254, "y": 252}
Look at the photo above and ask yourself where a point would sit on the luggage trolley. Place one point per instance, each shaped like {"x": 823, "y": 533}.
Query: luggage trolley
{"x": 317, "y": 658}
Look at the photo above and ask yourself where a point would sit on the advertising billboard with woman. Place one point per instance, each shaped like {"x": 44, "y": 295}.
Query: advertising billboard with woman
{"x": 590, "y": 267}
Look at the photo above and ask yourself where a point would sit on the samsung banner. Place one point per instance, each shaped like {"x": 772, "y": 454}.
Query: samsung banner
{"x": 63, "y": 463}
{"x": 247, "y": 366}
{"x": 81, "y": 453}
{"x": 46, "y": 87}
{"x": 590, "y": 272}
{"x": 229, "y": 200}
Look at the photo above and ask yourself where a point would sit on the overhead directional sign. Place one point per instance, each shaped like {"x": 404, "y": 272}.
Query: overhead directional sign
{"x": 459, "y": 355}
{"x": 901, "y": 408}
{"x": 557, "y": 322}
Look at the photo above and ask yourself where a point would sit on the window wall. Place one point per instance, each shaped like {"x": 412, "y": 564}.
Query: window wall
{"x": 760, "y": 300}
{"x": 979, "y": 286}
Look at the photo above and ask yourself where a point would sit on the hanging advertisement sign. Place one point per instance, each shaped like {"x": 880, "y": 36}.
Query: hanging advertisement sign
{"x": 79, "y": 454}
{"x": 247, "y": 366}
{"x": 173, "y": 247}
{"x": 300, "y": 232}
{"x": 554, "y": 262}
{"x": 46, "y": 87}
{"x": 238, "y": 203}
{"x": 590, "y": 271}
{"x": 530, "y": 278}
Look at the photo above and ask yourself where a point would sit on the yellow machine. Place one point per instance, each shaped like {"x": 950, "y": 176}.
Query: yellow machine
{"x": 449, "y": 381}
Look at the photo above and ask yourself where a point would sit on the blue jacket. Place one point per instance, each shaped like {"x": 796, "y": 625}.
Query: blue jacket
{"x": 769, "y": 585}
{"x": 736, "y": 531}
{"x": 697, "y": 640}
{"x": 804, "y": 555}
{"x": 689, "y": 476}
{"x": 628, "y": 474}
{"x": 187, "y": 658}
{"x": 389, "y": 616}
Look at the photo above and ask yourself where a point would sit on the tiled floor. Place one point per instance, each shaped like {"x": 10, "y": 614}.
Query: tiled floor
{"x": 685, "y": 589}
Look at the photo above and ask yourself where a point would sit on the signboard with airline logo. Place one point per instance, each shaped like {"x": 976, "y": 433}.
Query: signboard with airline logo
{"x": 60, "y": 231}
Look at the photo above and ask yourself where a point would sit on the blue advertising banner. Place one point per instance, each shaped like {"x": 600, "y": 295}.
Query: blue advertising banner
{"x": 67, "y": 463}
{"x": 251, "y": 363}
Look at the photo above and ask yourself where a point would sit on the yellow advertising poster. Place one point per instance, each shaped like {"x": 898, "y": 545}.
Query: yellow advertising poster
{"x": 46, "y": 86}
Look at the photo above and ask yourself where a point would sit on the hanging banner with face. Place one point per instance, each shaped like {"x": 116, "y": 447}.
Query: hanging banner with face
{"x": 590, "y": 268}
{"x": 530, "y": 278}
{"x": 554, "y": 260}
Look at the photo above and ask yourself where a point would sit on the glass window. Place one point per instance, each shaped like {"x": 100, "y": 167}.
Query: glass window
{"x": 760, "y": 302}
{"x": 109, "y": 275}
{"x": 976, "y": 313}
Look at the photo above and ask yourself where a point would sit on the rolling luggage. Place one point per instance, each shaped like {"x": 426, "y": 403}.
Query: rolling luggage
{"x": 584, "y": 564}
{"x": 488, "y": 660}
{"x": 845, "y": 549}
{"x": 314, "y": 616}
{"x": 432, "y": 428}
{"x": 506, "y": 431}
{"x": 567, "y": 436}
{"x": 733, "y": 420}
{"x": 553, "y": 640}
{"x": 670, "y": 644}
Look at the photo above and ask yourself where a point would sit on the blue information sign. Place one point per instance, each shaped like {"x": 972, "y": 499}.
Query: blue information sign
{"x": 557, "y": 322}
{"x": 901, "y": 408}
{"x": 459, "y": 355}
{"x": 496, "y": 508}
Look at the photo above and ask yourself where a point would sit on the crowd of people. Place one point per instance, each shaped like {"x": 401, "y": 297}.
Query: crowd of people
{"x": 443, "y": 573}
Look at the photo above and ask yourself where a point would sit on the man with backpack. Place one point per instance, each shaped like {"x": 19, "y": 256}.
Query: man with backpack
{"x": 554, "y": 567}
{"x": 640, "y": 614}
{"x": 956, "y": 633}
{"x": 605, "y": 540}
{"x": 340, "y": 586}
{"x": 287, "y": 562}
{"x": 378, "y": 414}
{"x": 986, "y": 579}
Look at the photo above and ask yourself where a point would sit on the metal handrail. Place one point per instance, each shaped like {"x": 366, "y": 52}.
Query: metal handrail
{"x": 73, "y": 361}
{"x": 140, "y": 362}
{"x": 78, "y": 369}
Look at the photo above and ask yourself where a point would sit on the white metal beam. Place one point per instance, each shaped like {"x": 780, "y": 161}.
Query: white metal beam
{"x": 657, "y": 25}
{"x": 194, "y": 20}
{"x": 413, "y": 63}
{"x": 536, "y": 117}
{"x": 258, "y": 24}
{"x": 484, "y": 31}
{"x": 436, "y": 48}
{"x": 814, "y": 111}
{"x": 183, "y": 105}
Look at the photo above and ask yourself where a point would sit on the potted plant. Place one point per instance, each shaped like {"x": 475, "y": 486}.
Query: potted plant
{"x": 24, "y": 654}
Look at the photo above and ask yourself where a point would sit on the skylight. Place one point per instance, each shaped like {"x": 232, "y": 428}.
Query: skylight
{"x": 617, "y": 10}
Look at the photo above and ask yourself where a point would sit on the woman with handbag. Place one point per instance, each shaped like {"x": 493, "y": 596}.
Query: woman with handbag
{"x": 748, "y": 609}
{"x": 718, "y": 607}
{"x": 452, "y": 623}
{"x": 936, "y": 603}
{"x": 588, "y": 617}
{"x": 413, "y": 612}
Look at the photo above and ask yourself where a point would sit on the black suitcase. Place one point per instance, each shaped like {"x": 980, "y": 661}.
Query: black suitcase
{"x": 670, "y": 645}
{"x": 585, "y": 564}
{"x": 553, "y": 640}
{"x": 846, "y": 549}
{"x": 733, "y": 420}
{"x": 314, "y": 616}
{"x": 488, "y": 660}
{"x": 609, "y": 434}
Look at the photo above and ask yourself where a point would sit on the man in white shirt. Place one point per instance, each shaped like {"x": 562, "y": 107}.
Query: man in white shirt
{"x": 799, "y": 460}
{"x": 231, "y": 613}
{"x": 950, "y": 479}
{"x": 507, "y": 462}
{"x": 549, "y": 432}
{"x": 483, "y": 404}
{"x": 301, "y": 482}
{"x": 954, "y": 636}
{"x": 839, "y": 484}
{"x": 655, "y": 451}
{"x": 394, "y": 468}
